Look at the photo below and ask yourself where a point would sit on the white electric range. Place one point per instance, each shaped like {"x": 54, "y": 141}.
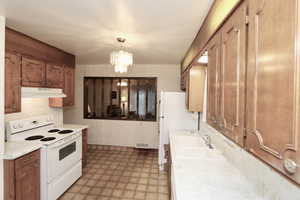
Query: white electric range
{"x": 61, "y": 152}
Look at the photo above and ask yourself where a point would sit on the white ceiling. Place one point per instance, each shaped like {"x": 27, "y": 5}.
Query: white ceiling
{"x": 157, "y": 32}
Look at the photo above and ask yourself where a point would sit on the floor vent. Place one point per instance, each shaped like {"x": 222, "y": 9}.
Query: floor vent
{"x": 141, "y": 146}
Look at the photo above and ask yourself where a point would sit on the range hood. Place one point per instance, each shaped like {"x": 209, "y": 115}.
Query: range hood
{"x": 32, "y": 92}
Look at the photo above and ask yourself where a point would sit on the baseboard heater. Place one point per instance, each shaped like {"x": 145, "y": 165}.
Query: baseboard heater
{"x": 142, "y": 146}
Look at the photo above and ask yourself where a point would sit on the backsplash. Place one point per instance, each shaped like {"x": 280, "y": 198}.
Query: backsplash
{"x": 268, "y": 183}
{"x": 34, "y": 107}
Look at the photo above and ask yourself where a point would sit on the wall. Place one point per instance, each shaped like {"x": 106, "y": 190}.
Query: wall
{"x": 34, "y": 107}
{"x": 2, "y": 49}
{"x": 121, "y": 133}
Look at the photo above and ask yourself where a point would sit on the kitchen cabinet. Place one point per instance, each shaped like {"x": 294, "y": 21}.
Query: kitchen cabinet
{"x": 33, "y": 73}
{"x": 232, "y": 78}
{"x": 69, "y": 85}
{"x": 84, "y": 146}
{"x": 68, "y": 88}
{"x": 22, "y": 177}
{"x": 54, "y": 76}
{"x": 168, "y": 166}
{"x": 12, "y": 82}
{"x": 273, "y": 75}
{"x": 183, "y": 80}
{"x": 195, "y": 88}
{"x": 213, "y": 81}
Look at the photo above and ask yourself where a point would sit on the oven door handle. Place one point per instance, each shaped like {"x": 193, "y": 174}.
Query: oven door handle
{"x": 63, "y": 143}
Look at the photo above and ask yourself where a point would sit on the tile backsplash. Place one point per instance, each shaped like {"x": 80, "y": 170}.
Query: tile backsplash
{"x": 34, "y": 107}
{"x": 268, "y": 183}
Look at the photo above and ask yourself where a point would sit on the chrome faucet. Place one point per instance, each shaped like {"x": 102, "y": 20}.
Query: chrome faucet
{"x": 207, "y": 140}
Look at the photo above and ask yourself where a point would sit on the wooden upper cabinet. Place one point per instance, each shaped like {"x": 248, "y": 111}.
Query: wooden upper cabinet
{"x": 233, "y": 64}
{"x": 33, "y": 73}
{"x": 54, "y": 76}
{"x": 195, "y": 88}
{"x": 273, "y": 95}
{"x": 12, "y": 82}
{"x": 183, "y": 80}
{"x": 213, "y": 80}
{"x": 69, "y": 86}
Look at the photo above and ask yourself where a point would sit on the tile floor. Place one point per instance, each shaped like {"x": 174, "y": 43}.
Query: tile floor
{"x": 115, "y": 173}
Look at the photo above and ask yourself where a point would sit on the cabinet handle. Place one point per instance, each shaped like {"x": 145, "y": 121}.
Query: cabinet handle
{"x": 290, "y": 166}
{"x": 259, "y": 11}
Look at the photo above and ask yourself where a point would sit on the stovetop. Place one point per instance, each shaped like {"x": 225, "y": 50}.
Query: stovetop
{"x": 37, "y": 130}
{"x": 44, "y": 135}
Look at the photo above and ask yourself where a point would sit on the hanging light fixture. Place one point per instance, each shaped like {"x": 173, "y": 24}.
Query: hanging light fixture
{"x": 121, "y": 60}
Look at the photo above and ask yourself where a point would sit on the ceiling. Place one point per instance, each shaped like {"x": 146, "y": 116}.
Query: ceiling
{"x": 157, "y": 32}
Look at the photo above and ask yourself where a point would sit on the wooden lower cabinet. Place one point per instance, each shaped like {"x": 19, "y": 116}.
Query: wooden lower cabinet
{"x": 273, "y": 95}
{"x": 168, "y": 166}
{"x": 22, "y": 177}
{"x": 12, "y": 82}
{"x": 84, "y": 146}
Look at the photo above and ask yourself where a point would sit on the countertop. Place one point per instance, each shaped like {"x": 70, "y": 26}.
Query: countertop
{"x": 202, "y": 173}
{"x": 14, "y": 150}
{"x": 75, "y": 126}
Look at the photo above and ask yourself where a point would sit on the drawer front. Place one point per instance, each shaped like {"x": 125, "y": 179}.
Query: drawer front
{"x": 27, "y": 159}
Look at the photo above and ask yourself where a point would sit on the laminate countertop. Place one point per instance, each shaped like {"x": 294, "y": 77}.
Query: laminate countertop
{"x": 199, "y": 172}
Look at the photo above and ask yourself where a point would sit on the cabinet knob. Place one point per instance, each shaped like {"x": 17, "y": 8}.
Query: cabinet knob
{"x": 290, "y": 166}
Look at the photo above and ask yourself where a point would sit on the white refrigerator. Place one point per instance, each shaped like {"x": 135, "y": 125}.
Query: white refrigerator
{"x": 173, "y": 116}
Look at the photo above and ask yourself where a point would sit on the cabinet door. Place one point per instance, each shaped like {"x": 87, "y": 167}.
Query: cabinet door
{"x": 69, "y": 85}
{"x": 273, "y": 84}
{"x": 183, "y": 80}
{"x": 27, "y": 170}
{"x": 28, "y": 182}
{"x": 195, "y": 91}
{"x": 84, "y": 147}
{"x": 33, "y": 73}
{"x": 12, "y": 83}
{"x": 54, "y": 76}
{"x": 213, "y": 81}
{"x": 233, "y": 75}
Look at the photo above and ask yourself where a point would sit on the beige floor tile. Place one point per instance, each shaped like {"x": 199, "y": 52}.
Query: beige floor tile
{"x": 78, "y": 197}
{"x": 151, "y": 196}
{"x": 163, "y": 197}
{"x": 85, "y": 190}
{"x": 128, "y": 194}
{"x": 140, "y": 195}
{"x": 117, "y": 193}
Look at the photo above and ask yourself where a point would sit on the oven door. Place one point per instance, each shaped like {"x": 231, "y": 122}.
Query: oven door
{"x": 62, "y": 156}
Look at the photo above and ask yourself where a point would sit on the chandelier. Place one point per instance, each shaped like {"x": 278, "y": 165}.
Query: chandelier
{"x": 121, "y": 60}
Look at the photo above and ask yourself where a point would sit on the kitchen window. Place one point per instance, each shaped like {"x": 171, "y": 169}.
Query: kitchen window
{"x": 120, "y": 98}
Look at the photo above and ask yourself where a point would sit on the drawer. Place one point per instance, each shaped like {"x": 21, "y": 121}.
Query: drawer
{"x": 27, "y": 159}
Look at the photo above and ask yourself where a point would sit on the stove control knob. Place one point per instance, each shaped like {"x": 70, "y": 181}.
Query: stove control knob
{"x": 15, "y": 126}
